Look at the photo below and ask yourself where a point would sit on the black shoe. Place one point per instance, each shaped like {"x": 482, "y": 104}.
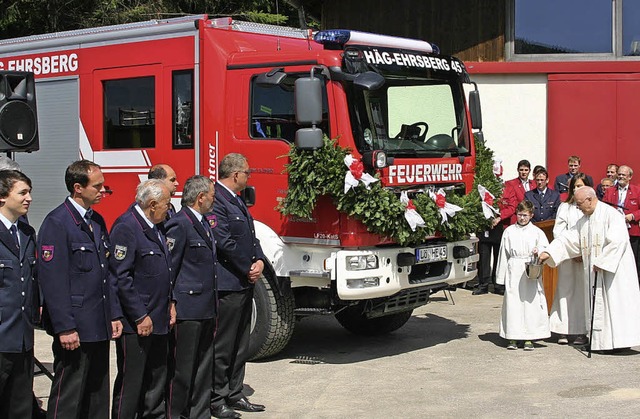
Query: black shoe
{"x": 245, "y": 405}
{"x": 224, "y": 411}
{"x": 480, "y": 291}
{"x": 498, "y": 289}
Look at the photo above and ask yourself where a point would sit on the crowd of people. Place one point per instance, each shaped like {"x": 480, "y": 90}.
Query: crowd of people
{"x": 172, "y": 291}
{"x": 175, "y": 289}
{"x": 595, "y": 247}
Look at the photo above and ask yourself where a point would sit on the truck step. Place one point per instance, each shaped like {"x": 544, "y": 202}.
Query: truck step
{"x": 312, "y": 311}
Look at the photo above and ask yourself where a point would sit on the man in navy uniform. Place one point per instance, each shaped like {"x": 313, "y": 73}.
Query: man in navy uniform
{"x": 141, "y": 267}
{"x": 78, "y": 303}
{"x": 19, "y": 308}
{"x": 165, "y": 173}
{"x": 561, "y": 184}
{"x": 193, "y": 261}
{"x": 545, "y": 200}
{"x": 240, "y": 265}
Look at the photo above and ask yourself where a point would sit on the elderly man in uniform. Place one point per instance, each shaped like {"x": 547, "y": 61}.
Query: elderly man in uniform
{"x": 240, "y": 265}
{"x": 73, "y": 271}
{"x": 141, "y": 267}
{"x": 193, "y": 260}
{"x": 18, "y": 296}
{"x": 600, "y": 239}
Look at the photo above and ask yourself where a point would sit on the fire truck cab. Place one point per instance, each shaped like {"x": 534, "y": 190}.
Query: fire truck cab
{"x": 187, "y": 91}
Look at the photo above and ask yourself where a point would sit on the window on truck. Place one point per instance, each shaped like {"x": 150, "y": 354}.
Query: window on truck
{"x": 411, "y": 118}
{"x": 129, "y": 113}
{"x": 182, "y": 108}
{"x": 272, "y": 110}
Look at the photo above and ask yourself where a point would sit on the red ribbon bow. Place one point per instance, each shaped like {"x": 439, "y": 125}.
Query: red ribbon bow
{"x": 356, "y": 168}
{"x": 488, "y": 198}
{"x": 440, "y": 200}
{"x": 410, "y": 205}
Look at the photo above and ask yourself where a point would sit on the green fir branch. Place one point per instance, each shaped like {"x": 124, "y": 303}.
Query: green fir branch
{"x": 313, "y": 174}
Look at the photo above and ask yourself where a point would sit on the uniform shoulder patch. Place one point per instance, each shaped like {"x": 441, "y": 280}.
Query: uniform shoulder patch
{"x": 212, "y": 220}
{"x": 47, "y": 253}
{"x": 120, "y": 252}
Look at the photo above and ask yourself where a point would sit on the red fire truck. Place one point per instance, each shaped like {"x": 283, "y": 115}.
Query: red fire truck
{"x": 187, "y": 91}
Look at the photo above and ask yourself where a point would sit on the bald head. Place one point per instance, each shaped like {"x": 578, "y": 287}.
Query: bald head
{"x": 586, "y": 200}
{"x": 165, "y": 173}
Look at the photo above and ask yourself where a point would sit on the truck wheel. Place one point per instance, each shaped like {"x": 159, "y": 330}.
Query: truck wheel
{"x": 352, "y": 319}
{"x": 272, "y": 320}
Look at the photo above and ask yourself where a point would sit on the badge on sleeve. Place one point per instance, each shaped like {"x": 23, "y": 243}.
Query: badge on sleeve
{"x": 47, "y": 253}
{"x": 170, "y": 243}
{"x": 213, "y": 221}
{"x": 120, "y": 252}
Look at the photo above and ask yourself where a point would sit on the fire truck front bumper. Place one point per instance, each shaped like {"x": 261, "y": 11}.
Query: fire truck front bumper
{"x": 381, "y": 272}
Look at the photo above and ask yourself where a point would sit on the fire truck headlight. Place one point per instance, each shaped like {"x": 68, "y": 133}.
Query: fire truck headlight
{"x": 362, "y": 262}
{"x": 381, "y": 159}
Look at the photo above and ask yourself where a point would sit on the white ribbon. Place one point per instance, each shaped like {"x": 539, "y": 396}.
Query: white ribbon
{"x": 410, "y": 214}
{"x": 487, "y": 208}
{"x": 449, "y": 210}
{"x": 350, "y": 181}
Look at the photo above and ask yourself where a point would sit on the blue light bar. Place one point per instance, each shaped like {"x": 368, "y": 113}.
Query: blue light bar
{"x": 342, "y": 37}
{"x": 334, "y": 36}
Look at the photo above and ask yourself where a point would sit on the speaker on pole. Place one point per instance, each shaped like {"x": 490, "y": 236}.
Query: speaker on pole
{"x": 18, "y": 117}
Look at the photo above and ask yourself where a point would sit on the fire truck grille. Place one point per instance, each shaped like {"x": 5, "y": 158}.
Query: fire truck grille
{"x": 403, "y": 301}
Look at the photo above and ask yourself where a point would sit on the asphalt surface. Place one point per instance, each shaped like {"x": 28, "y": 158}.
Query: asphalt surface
{"x": 447, "y": 361}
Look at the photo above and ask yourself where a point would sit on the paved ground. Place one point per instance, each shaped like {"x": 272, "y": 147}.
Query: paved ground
{"x": 447, "y": 361}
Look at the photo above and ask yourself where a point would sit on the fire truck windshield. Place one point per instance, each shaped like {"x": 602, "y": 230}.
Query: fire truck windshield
{"x": 411, "y": 117}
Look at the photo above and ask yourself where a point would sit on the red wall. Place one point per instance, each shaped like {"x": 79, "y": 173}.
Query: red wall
{"x": 593, "y": 111}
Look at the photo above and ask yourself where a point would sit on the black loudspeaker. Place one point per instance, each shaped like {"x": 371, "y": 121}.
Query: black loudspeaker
{"x": 18, "y": 118}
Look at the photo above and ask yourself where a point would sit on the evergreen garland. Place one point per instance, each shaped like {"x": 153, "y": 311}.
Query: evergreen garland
{"x": 321, "y": 172}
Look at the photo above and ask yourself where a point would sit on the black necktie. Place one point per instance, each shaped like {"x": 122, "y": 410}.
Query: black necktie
{"x": 207, "y": 226}
{"x": 14, "y": 233}
{"x": 87, "y": 218}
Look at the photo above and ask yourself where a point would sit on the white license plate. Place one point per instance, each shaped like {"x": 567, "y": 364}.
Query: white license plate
{"x": 431, "y": 254}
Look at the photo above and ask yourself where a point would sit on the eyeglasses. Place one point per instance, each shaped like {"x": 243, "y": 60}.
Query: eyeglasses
{"x": 524, "y": 215}
{"x": 580, "y": 203}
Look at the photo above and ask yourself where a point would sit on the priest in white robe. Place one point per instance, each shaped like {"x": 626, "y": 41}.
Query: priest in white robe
{"x": 601, "y": 238}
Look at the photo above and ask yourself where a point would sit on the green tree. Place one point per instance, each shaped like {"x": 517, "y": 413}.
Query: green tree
{"x": 30, "y": 17}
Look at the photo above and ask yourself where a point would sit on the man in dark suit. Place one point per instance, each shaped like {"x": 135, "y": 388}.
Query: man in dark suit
{"x": 141, "y": 267}
{"x": 240, "y": 265}
{"x": 193, "y": 262}
{"x": 626, "y": 197}
{"x": 561, "y": 184}
{"x": 19, "y": 308}
{"x": 545, "y": 200}
{"x": 165, "y": 173}
{"x": 73, "y": 271}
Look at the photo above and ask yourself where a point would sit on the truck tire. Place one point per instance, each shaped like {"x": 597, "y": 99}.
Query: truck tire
{"x": 352, "y": 319}
{"x": 272, "y": 320}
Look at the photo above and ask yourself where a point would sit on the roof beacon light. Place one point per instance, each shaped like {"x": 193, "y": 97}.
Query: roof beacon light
{"x": 342, "y": 37}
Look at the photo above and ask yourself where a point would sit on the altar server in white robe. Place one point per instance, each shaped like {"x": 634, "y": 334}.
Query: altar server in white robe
{"x": 602, "y": 239}
{"x": 524, "y": 307}
{"x": 570, "y": 302}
